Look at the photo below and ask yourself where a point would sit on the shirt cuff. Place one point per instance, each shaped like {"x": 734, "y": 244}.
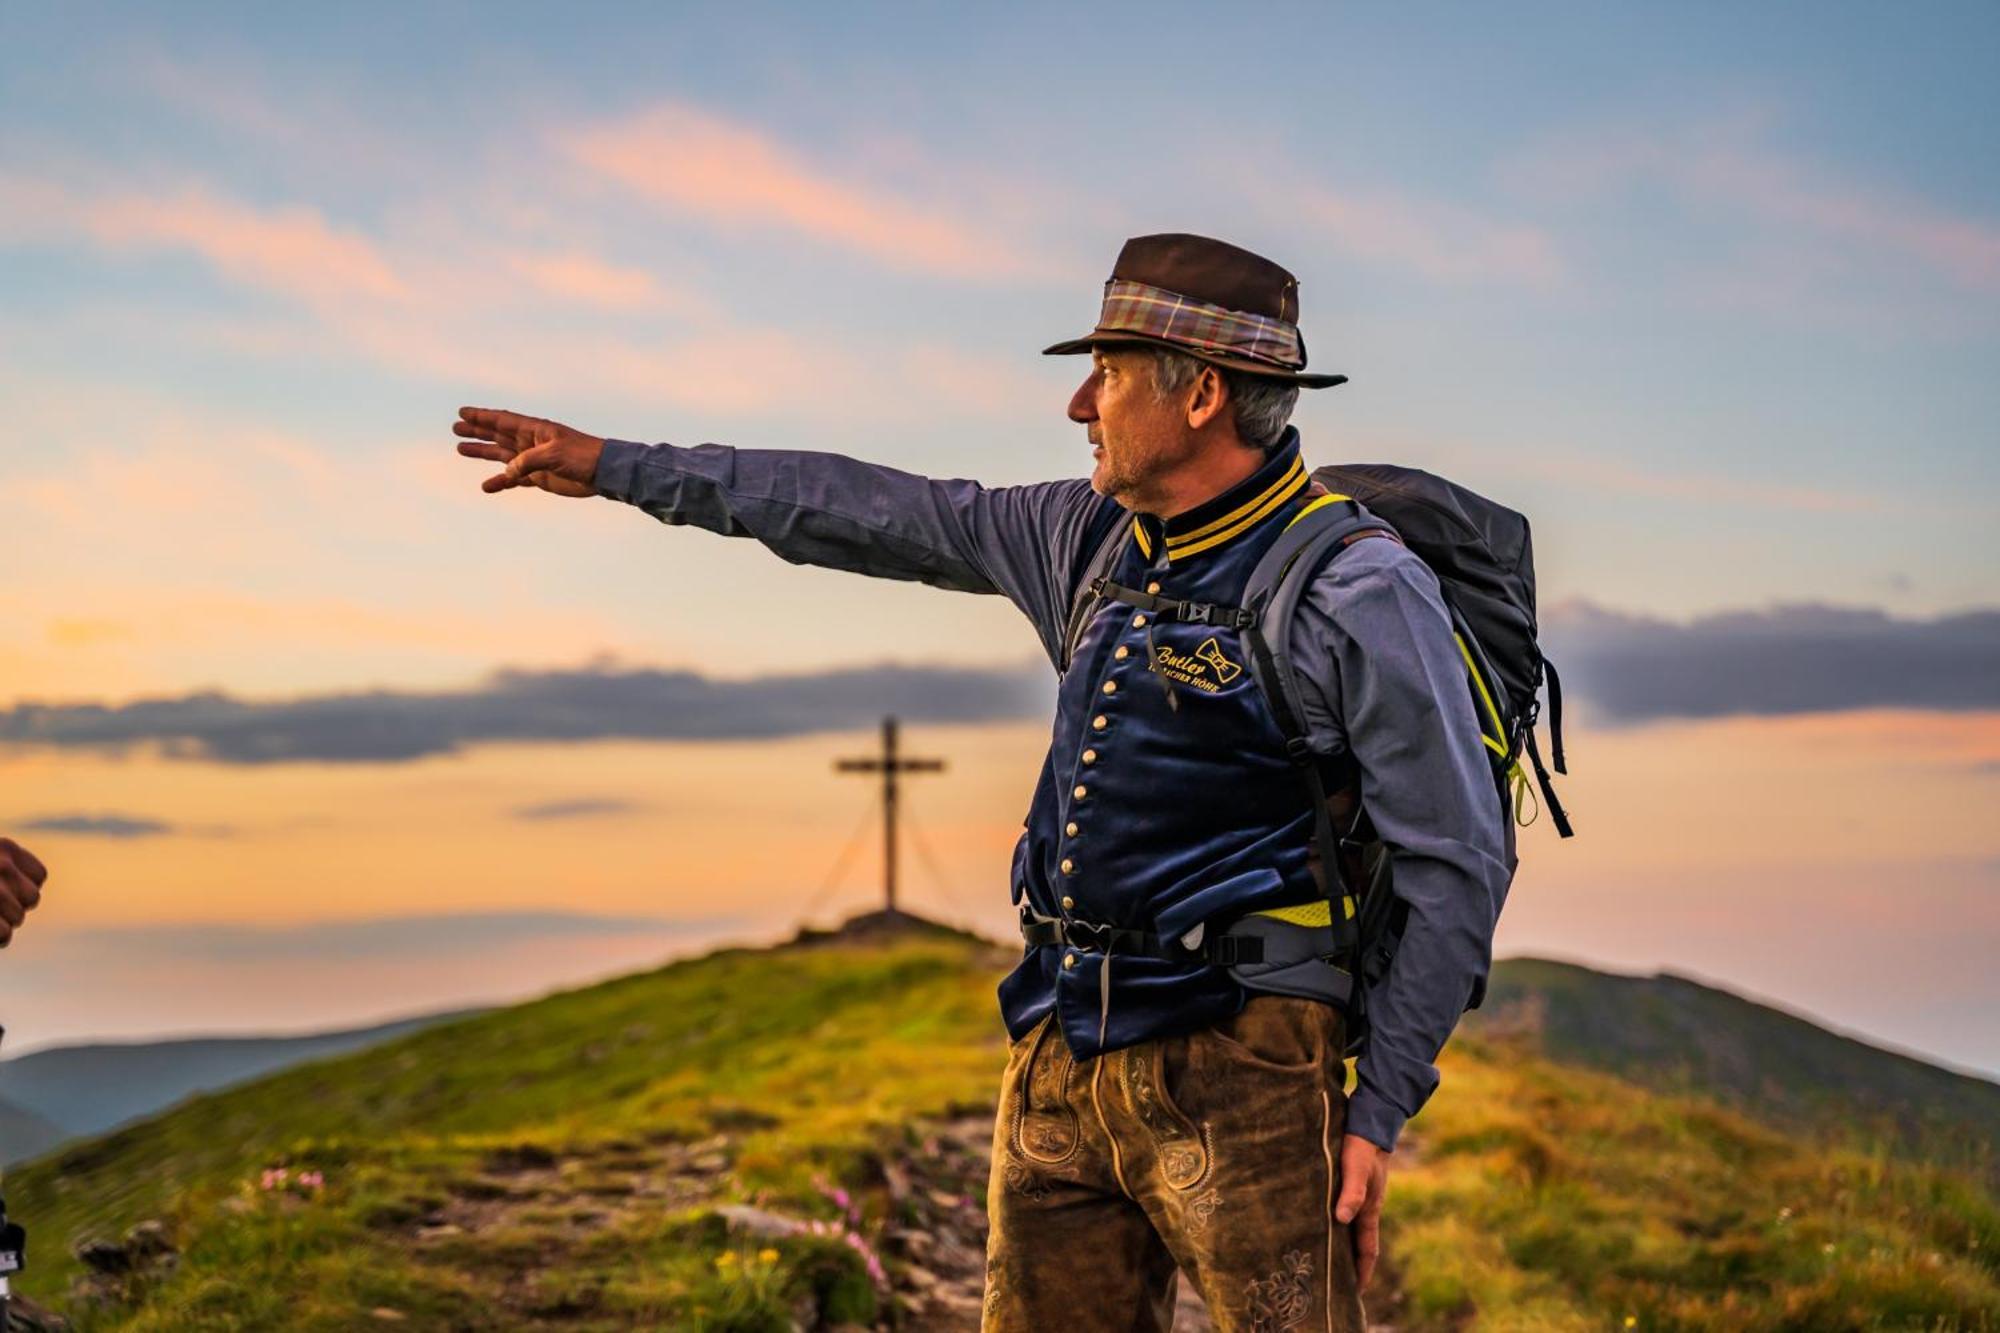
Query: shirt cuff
{"x": 1374, "y": 1117}
{"x": 618, "y": 469}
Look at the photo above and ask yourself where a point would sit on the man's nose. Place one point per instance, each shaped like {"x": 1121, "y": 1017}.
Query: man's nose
{"x": 1083, "y": 403}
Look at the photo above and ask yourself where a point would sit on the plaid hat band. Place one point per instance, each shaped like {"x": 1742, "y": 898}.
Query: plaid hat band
{"x": 1135, "y": 307}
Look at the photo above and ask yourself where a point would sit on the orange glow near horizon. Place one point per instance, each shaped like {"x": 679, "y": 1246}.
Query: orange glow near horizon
{"x": 1777, "y": 854}
{"x": 753, "y": 823}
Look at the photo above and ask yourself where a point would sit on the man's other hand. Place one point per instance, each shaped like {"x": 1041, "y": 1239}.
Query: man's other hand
{"x": 21, "y": 878}
{"x": 1364, "y": 1179}
{"x": 544, "y": 454}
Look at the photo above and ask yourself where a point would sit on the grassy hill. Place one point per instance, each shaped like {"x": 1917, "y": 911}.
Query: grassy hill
{"x": 84, "y": 1090}
{"x": 1678, "y": 1035}
{"x": 730, "y": 1142}
{"x": 24, "y": 1134}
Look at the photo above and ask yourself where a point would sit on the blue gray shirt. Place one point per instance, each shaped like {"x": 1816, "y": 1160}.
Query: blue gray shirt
{"x": 1381, "y": 678}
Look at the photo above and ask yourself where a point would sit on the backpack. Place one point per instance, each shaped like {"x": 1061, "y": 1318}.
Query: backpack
{"x": 1482, "y": 554}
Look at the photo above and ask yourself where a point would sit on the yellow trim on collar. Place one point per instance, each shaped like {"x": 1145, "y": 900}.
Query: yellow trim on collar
{"x": 1145, "y": 542}
{"x": 1243, "y": 519}
{"x": 1297, "y": 468}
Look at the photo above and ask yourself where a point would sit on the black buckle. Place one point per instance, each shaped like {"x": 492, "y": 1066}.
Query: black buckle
{"x": 1088, "y": 934}
{"x": 1230, "y": 950}
{"x": 1214, "y": 613}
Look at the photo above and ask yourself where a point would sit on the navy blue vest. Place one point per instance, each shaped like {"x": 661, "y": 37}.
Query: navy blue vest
{"x": 1167, "y": 799}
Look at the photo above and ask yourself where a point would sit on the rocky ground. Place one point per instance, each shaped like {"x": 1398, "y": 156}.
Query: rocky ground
{"x": 932, "y": 1249}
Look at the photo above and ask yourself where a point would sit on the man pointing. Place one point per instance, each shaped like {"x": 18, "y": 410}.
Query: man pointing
{"x": 1160, "y": 1110}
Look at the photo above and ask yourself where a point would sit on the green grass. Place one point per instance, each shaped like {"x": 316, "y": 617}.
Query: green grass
{"x": 793, "y": 1063}
{"x": 560, "y": 1162}
{"x": 1676, "y": 1035}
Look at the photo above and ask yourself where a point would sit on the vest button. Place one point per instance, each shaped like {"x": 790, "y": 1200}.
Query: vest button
{"x": 1068, "y": 902}
{"x": 1068, "y": 866}
{"x": 1111, "y": 687}
{"x": 1090, "y": 756}
{"x": 1152, "y": 587}
{"x": 1070, "y": 829}
{"x": 1100, "y": 722}
{"x": 1139, "y": 620}
{"x": 1069, "y": 960}
{"x": 1122, "y": 653}
{"x": 1081, "y": 791}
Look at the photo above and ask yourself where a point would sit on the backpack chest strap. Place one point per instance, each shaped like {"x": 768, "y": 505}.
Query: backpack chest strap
{"x": 1173, "y": 608}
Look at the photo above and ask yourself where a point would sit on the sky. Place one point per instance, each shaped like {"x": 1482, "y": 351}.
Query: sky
{"x": 311, "y": 731}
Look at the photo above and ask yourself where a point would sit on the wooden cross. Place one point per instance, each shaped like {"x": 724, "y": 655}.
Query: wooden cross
{"x": 889, "y": 765}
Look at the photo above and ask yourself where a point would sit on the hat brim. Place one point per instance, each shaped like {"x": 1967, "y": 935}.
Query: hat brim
{"x": 1076, "y": 346}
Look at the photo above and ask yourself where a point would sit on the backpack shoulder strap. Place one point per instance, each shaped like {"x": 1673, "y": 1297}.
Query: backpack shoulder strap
{"x": 1318, "y": 532}
{"x": 1083, "y": 595}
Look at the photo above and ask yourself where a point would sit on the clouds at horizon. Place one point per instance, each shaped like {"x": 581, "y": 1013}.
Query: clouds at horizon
{"x": 1784, "y": 660}
{"x": 588, "y": 807}
{"x": 427, "y": 935}
{"x": 590, "y": 703}
{"x": 1804, "y": 658}
{"x": 103, "y": 825}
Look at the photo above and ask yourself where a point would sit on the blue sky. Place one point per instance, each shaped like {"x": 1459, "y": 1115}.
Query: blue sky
{"x": 1711, "y": 292}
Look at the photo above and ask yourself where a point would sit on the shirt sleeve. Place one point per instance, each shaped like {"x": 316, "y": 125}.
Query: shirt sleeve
{"x": 1380, "y": 676}
{"x": 1023, "y": 542}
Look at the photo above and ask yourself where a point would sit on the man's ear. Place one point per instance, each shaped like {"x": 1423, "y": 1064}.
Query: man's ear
{"x": 1210, "y": 398}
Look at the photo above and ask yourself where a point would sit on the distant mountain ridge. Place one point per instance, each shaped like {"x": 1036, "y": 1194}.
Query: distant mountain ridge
{"x": 78, "y": 1091}
{"x": 1676, "y": 1034}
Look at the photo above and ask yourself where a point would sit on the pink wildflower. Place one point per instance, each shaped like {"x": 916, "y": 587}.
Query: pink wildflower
{"x": 861, "y": 1247}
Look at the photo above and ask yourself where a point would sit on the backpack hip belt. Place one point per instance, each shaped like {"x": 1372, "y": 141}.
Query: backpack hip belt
{"x": 1099, "y": 937}
{"x": 1263, "y": 953}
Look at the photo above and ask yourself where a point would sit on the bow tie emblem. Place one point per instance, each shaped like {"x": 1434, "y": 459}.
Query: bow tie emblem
{"x": 1211, "y": 653}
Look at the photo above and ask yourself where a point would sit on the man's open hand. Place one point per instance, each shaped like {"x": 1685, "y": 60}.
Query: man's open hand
{"x": 1364, "y": 1179}
{"x": 544, "y": 454}
{"x": 21, "y": 880}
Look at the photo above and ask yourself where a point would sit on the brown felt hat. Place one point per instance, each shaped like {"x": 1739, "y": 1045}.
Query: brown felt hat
{"x": 1208, "y": 298}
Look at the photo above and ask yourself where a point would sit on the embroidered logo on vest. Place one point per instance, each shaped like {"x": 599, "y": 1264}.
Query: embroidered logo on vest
{"x": 1194, "y": 670}
{"x": 1211, "y": 653}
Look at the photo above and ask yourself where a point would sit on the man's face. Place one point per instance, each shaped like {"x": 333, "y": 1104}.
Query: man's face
{"x": 1136, "y": 437}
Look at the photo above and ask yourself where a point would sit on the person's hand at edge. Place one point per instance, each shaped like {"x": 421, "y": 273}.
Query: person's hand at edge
{"x": 1364, "y": 1179}
{"x": 544, "y": 454}
{"x": 22, "y": 876}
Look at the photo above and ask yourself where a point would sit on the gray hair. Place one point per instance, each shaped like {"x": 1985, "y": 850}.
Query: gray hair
{"x": 1263, "y": 405}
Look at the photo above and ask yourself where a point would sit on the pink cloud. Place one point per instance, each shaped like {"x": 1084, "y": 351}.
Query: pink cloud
{"x": 458, "y": 317}
{"x": 1964, "y": 248}
{"x": 1440, "y": 241}
{"x": 689, "y": 161}
{"x": 1728, "y": 163}
{"x": 587, "y": 280}
{"x": 293, "y": 250}
{"x": 1567, "y": 467}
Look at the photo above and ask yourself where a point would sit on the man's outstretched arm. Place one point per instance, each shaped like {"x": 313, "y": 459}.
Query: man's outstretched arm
{"x": 818, "y": 509}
